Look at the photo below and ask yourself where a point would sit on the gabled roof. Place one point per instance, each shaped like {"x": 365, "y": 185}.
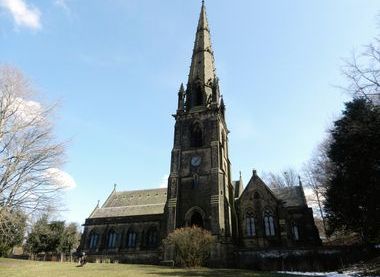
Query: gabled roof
{"x": 290, "y": 196}
{"x": 256, "y": 181}
{"x": 132, "y": 203}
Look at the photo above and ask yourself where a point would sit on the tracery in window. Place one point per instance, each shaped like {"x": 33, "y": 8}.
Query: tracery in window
{"x": 111, "y": 240}
{"x": 94, "y": 238}
{"x": 131, "y": 239}
{"x": 269, "y": 223}
{"x": 250, "y": 225}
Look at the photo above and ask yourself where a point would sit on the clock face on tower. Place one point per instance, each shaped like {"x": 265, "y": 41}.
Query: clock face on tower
{"x": 196, "y": 161}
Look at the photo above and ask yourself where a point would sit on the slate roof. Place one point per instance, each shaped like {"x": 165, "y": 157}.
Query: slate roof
{"x": 291, "y": 196}
{"x": 132, "y": 203}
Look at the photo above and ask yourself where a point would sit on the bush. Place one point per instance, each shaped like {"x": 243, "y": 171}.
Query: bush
{"x": 192, "y": 245}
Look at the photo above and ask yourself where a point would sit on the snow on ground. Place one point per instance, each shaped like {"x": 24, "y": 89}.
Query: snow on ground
{"x": 321, "y": 274}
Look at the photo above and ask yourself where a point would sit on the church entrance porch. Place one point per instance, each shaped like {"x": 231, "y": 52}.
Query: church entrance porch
{"x": 196, "y": 220}
{"x": 195, "y": 217}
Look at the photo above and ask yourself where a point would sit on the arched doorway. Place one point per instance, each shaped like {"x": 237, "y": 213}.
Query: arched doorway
{"x": 196, "y": 220}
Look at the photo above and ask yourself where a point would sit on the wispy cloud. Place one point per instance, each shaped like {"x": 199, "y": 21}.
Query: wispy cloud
{"x": 63, "y": 5}
{"x": 22, "y": 13}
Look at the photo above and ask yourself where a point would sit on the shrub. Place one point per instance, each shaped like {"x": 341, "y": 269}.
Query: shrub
{"x": 192, "y": 245}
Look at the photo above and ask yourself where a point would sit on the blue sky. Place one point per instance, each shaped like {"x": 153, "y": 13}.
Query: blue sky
{"x": 115, "y": 67}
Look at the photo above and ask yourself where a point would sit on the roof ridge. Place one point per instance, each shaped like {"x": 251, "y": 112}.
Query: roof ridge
{"x": 141, "y": 190}
{"x": 142, "y": 205}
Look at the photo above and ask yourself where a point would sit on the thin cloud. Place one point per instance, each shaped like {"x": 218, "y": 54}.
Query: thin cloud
{"x": 22, "y": 13}
{"x": 63, "y": 5}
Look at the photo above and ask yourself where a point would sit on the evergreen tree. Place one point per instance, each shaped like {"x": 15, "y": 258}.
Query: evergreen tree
{"x": 353, "y": 195}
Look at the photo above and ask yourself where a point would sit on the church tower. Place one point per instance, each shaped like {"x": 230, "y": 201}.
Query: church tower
{"x": 199, "y": 185}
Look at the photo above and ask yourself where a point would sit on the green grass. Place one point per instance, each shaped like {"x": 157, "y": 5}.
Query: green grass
{"x": 13, "y": 268}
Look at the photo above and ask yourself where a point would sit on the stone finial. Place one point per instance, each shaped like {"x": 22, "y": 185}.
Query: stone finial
{"x": 299, "y": 181}
{"x": 97, "y": 205}
{"x": 114, "y": 186}
{"x": 254, "y": 172}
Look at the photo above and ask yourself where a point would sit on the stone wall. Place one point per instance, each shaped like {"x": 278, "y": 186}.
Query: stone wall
{"x": 313, "y": 259}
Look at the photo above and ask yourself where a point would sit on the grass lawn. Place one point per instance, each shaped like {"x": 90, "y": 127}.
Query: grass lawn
{"x": 12, "y": 267}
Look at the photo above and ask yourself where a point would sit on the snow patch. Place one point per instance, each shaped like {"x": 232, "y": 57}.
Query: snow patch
{"x": 325, "y": 274}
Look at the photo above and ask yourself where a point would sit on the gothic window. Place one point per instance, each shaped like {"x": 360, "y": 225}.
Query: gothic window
{"x": 295, "y": 232}
{"x": 152, "y": 238}
{"x": 196, "y": 135}
{"x": 112, "y": 238}
{"x": 195, "y": 181}
{"x": 269, "y": 224}
{"x": 131, "y": 239}
{"x": 94, "y": 238}
{"x": 250, "y": 225}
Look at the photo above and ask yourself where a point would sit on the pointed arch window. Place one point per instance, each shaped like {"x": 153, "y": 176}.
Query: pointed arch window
{"x": 131, "y": 239}
{"x": 94, "y": 239}
{"x": 295, "y": 232}
{"x": 250, "y": 225}
{"x": 112, "y": 239}
{"x": 196, "y": 135}
{"x": 269, "y": 224}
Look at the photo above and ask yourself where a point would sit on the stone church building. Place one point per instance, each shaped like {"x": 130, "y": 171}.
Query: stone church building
{"x": 130, "y": 225}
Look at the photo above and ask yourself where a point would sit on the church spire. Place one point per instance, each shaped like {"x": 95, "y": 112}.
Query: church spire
{"x": 202, "y": 76}
{"x": 202, "y": 62}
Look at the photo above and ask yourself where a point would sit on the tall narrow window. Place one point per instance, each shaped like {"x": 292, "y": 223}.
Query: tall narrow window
{"x": 131, "y": 239}
{"x": 250, "y": 225}
{"x": 94, "y": 237}
{"x": 269, "y": 224}
{"x": 112, "y": 237}
{"x": 295, "y": 232}
{"x": 196, "y": 135}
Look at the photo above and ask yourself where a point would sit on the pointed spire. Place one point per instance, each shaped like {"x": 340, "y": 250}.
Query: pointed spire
{"x": 299, "y": 181}
{"x": 202, "y": 63}
{"x": 222, "y": 106}
{"x": 181, "y": 96}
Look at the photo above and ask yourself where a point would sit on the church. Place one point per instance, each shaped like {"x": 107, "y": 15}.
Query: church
{"x": 130, "y": 225}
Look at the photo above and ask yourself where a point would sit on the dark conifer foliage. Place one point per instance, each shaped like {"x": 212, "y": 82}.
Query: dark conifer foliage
{"x": 353, "y": 193}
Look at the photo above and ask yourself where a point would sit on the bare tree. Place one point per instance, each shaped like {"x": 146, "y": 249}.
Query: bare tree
{"x": 29, "y": 154}
{"x": 287, "y": 178}
{"x": 363, "y": 73}
{"x": 315, "y": 175}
